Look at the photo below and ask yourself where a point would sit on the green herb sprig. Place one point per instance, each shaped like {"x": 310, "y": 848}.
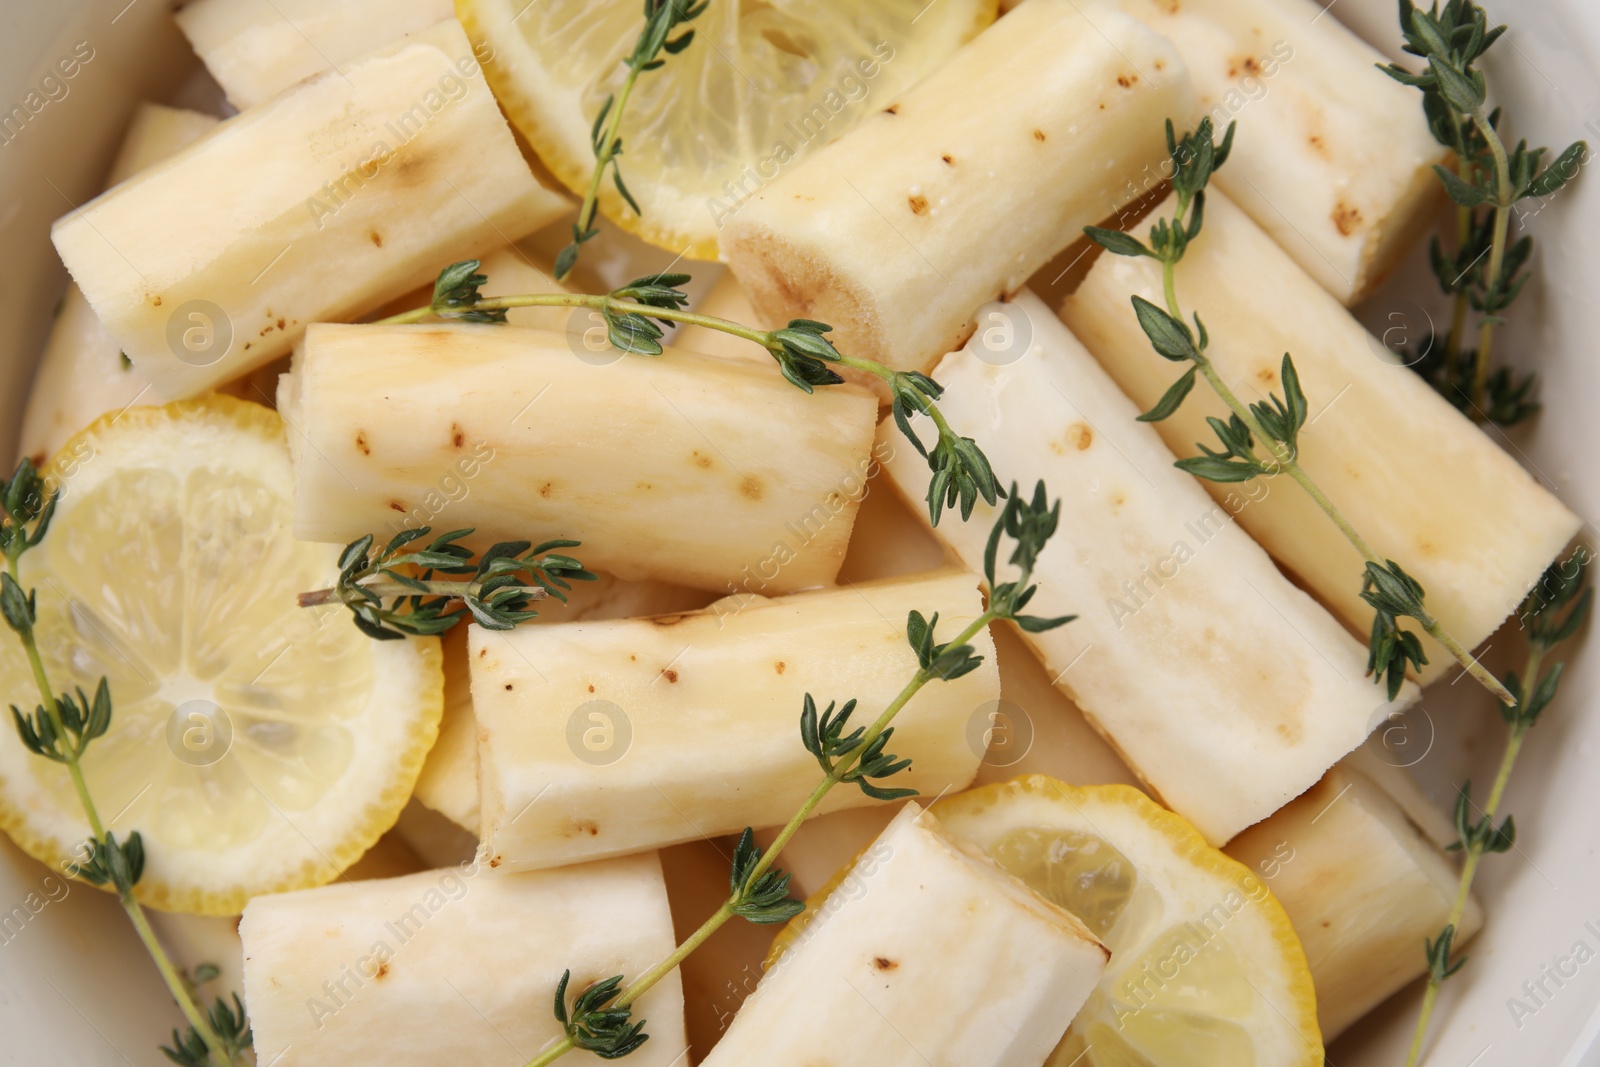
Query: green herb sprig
{"x": 504, "y": 582}
{"x": 232, "y": 1028}
{"x": 601, "y": 1017}
{"x": 593, "y": 1025}
{"x": 1275, "y": 424}
{"x": 1550, "y": 615}
{"x": 1485, "y": 271}
{"x": 637, "y": 314}
{"x": 661, "y": 18}
{"x": 60, "y": 729}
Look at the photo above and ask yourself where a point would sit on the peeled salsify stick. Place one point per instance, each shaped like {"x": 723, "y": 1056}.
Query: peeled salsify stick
{"x": 1423, "y": 485}
{"x": 196, "y": 940}
{"x": 341, "y": 193}
{"x": 256, "y": 48}
{"x": 685, "y": 468}
{"x": 955, "y": 194}
{"x": 82, "y": 374}
{"x": 603, "y": 738}
{"x": 449, "y": 780}
{"x": 940, "y": 958}
{"x": 1332, "y": 157}
{"x": 1227, "y": 690}
{"x": 1363, "y": 887}
{"x": 454, "y": 965}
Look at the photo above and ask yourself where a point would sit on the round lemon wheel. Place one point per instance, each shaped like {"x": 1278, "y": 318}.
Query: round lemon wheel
{"x": 760, "y": 85}
{"x": 256, "y": 746}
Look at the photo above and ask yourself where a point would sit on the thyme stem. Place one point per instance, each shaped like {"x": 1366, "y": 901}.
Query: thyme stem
{"x": 386, "y": 589}
{"x": 1505, "y": 197}
{"x": 1469, "y": 867}
{"x": 606, "y": 153}
{"x": 135, "y": 911}
{"x": 599, "y": 302}
{"x": 605, "y": 302}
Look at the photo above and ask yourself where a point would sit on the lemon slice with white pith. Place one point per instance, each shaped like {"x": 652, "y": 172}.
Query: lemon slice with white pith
{"x": 762, "y": 83}
{"x": 256, "y": 746}
{"x": 1205, "y": 969}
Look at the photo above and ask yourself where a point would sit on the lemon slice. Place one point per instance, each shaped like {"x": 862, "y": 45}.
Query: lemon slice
{"x": 256, "y": 746}
{"x": 1205, "y": 969}
{"x": 763, "y": 83}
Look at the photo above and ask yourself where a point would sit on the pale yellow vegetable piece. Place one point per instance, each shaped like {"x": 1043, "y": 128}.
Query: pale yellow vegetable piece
{"x": 683, "y": 468}
{"x": 941, "y": 958}
{"x": 1226, "y": 688}
{"x": 82, "y": 374}
{"x": 595, "y": 738}
{"x": 194, "y": 941}
{"x": 1307, "y": 95}
{"x": 352, "y": 188}
{"x": 1205, "y": 970}
{"x": 449, "y": 781}
{"x": 1363, "y": 887}
{"x": 967, "y": 184}
{"x": 256, "y": 746}
{"x": 257, "y": 48}
{"x": 454, "y": 965}
{"x": 1457, "y": 513}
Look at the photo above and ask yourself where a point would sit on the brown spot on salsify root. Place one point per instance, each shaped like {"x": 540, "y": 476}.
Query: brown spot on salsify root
{"x": 395, "y": 505}
{"x": 883, "y": 963}
{"x": 778, "y": 666}
{"x": 1038, "y": 135}
{"x": 670, "y": 675}
{"x": 1346, "y": 218}
{"x": 751, "y": 488}
{"x": 919, "y": 205}
{"x": 361, "y": 443}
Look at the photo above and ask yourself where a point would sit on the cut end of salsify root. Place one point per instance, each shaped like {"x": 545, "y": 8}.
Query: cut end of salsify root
{"x": 932, "y": 954}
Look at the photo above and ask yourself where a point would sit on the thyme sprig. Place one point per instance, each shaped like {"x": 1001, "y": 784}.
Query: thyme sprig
{"x": 593, "y": 1025}
{"x": 1485, "y": 271}
{"x": 661, "y": 18}
{"x": 1275, "y": 424}
{"x": 504, "y": 582}
{"x": 637, "y": 315}
{"x": 60, "y": 729}
{"x": 232, "y": 1028}
{"x": 1551, "y": 614}
{"x": 758, "y": 889}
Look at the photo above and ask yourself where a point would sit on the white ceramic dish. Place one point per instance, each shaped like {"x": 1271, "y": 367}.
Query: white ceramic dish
{"x": 75, "y": 987}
